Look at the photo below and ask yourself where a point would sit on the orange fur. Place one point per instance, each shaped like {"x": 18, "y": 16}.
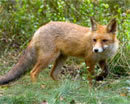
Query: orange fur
{"x": 55, "y": 41}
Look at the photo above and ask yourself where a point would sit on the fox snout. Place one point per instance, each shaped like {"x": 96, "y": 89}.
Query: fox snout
{"x": 97, "y": 49}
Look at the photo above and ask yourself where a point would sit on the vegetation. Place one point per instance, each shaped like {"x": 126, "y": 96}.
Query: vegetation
{"x": 19, "y": 19}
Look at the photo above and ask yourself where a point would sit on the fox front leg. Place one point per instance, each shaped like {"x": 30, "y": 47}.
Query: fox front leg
{"x": 90, "y": 71}
{"x": 104, "y": 72}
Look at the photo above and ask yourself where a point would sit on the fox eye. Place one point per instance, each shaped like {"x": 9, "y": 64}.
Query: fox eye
{"x": 94, "y": 40}
{"x": 104, "y": 40}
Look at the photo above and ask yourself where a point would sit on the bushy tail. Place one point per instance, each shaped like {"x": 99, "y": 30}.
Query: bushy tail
{"x": 24, "y": 63}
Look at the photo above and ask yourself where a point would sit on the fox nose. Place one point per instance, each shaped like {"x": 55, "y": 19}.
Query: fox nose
{"x": 96, "y": 50}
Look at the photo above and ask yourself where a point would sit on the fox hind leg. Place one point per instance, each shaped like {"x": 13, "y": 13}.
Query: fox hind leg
{"x": 42, "y": 62}
{"x": 35, "y": 71}
{"x": 57, "y": 66}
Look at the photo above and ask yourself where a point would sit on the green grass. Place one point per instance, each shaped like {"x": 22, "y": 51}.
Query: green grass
{"x": 65, "y": 91}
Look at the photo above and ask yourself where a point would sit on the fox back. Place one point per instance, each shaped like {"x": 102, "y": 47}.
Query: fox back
{"x": 55, "y": 41}
{"x": 74, "y": 40}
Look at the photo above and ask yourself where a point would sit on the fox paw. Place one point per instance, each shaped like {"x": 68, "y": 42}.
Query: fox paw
{"x": 99, "y": 78}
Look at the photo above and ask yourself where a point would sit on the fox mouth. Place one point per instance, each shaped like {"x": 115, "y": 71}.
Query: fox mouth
{"x": 100, "y": 49}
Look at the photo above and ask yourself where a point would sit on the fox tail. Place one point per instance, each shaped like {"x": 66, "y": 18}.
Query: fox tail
{"x": 24, "y": 63}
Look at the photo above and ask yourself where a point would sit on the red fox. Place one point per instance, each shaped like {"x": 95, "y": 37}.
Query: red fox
{"x": 55, "y": 41}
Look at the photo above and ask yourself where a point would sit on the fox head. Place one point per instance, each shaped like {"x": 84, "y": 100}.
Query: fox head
{"x": 103, "y": 37}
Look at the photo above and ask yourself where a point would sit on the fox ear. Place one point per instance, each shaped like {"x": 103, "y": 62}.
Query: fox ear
{"x": 112, "y": 26}
{"x": 93, "y": 24}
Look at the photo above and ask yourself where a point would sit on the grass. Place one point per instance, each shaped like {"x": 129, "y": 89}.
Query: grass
{"x": 65, "y": 91}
